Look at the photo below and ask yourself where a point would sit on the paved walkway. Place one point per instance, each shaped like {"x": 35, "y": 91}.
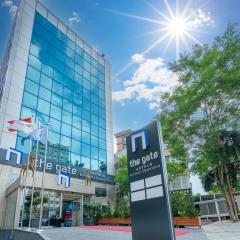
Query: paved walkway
{"x": 76, "y": 233}
{"x": 223, "y": 231}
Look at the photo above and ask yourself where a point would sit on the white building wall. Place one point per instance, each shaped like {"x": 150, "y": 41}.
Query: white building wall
{"x": 16, "y": 71}
{"x": 13, "y": 89}
{"x": 109, "y": 129}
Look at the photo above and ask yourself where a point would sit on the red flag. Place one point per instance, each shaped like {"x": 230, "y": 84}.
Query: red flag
{"x": 24, "y": 125}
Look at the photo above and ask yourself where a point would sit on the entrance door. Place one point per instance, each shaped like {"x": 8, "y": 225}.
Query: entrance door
{"x": 76, "y": 214}
{"x": 72, "y": 209}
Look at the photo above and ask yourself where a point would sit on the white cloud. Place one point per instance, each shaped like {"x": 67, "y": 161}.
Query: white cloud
{"x": 200, "y": 19}
{"x": 149, "y": 81}
{"x": 137, "y": 58}
{"x": 75, "y": 18}
{"x": 11, "y": 6}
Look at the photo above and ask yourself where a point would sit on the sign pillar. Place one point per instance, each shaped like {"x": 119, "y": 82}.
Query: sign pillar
{"x": 149, "y": 199}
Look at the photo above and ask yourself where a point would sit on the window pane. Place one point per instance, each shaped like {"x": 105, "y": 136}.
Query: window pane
{"x": 94, "y": 152}
{"x": 33, "y": 61}
{"x": 66, "y": 141}
{"x": 31, "y": 87}
{"x": 55, "y": 125}
{"x": 47, "y": 70}
{"x": 85, "y": 137}
{"x": 33, "y": 74}
{"x": 86, "y": 149}
{"x": 46, "y": 81}
{"x": 56, "y": 100}
{"x": 44, "y": 93}
{"x": 102, "y": 155}
{"x": 76, "y": 133}
{"x": 54, "y": 138}
{"x": 94, "y": 164}
{"x": 66, "y": 130}
{"x": 85, "y": 126}
{"x": 94, "y": 141}
{"x": 77, "y": 122}
{"x": 29, "y": 100}
{"x": 57, "y": 88}
{"x": 43, "y": 106}
{"x": 55, "y": 112}
{"x": 44, "y": 119}
{"x": 85, "y": 161}
{"x": 75, "y": 159}
{"x": 26, "y": 112}
{"x": 76, "y": 146}
{"x": 67, "y": 105}
{"x": 66, "y": 117}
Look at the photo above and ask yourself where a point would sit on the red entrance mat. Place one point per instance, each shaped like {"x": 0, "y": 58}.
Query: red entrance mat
{"x": 124, "y": 229}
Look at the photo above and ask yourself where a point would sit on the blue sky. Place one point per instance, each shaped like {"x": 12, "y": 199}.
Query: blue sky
{"x": 122, "y": 31}
{"x": 104, "y": 24}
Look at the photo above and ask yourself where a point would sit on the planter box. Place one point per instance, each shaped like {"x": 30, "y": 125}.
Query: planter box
{"x": 114, "y": 221}
{"x": 178, "y": 221}
{"x": 187, "y": 221}
{"x": 89, "y": 221}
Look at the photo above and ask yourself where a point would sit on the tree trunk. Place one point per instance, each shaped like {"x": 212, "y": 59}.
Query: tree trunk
{"x": 230, "y": 187}
{"x": 225, "y": 184}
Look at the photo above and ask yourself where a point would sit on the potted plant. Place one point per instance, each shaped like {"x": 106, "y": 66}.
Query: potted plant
{"x": 91, "y": 211}
{"x": 120, "y": 216}
{"x": 184, "y": 211}
{"x": 35, "y": 204}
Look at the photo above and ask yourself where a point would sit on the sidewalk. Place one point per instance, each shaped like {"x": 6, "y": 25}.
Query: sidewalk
{"x": 223, "y": 231}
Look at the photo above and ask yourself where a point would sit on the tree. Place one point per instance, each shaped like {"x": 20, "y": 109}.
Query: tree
{"x": 103, "y": 167}
{"x": 183, "y": 204}
{"x": 36, "y": 202}
{"x": 121, "y": 177}
{"x": 200, "y": 118}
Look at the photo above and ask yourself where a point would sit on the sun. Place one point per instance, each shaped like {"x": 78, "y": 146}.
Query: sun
{"x": 175, "y": 26}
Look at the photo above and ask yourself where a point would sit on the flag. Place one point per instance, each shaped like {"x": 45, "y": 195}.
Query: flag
{"x": 39, "y": 134}
{"x": 24, "y": 125}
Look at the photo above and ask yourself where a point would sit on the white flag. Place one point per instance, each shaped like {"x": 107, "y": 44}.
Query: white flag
{"x": 39, "y": 134}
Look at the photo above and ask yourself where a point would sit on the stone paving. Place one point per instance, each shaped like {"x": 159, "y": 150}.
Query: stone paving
{"x": 223, "y": 231}
{"x": 76, "y": 233}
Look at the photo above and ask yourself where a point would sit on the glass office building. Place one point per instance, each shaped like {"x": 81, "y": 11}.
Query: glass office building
{"x": 65, "y": 86}
{"x": 50, "y": 73}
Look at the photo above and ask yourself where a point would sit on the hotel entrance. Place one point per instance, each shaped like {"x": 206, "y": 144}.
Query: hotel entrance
{"x": 72, "y": 209}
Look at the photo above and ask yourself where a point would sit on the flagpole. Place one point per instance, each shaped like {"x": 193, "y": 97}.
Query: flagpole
{"x": 43, "y": 180}
{"x": 25, "y": 182}
{"x": 33, "y": 182}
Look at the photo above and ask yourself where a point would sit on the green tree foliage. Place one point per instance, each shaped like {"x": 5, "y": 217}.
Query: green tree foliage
{"x": 36, "y": 202}
{"x": 121, "y": 177}
{"x": 200, "y": 118}
{"x": 175, "y": 169}
{"x": 183, "y": 205}
{"x": 122, "y": 208}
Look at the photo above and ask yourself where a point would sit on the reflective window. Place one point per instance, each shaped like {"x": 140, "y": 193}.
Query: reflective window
{"x": 29, "y": 100}
{"x": 65, "y": 87}
{"x": 43, "y": 106}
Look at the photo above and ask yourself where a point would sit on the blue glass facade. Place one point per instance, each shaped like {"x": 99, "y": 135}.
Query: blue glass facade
{"x": 65, "y": 86}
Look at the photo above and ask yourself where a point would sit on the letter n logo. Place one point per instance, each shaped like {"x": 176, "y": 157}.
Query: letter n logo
{"x": 65, "y": 177}
{"x": 144, "y": 139}
{"x": 12, "y": 151}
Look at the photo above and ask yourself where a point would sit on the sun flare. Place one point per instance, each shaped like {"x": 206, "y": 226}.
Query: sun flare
{"x": 179, "y": 26}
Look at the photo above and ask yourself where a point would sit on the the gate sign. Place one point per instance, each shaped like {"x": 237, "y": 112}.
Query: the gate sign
{"x": 150, "y": 208}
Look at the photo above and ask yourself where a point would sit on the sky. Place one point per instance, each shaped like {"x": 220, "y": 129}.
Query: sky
{"x": 139, "y": 38}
